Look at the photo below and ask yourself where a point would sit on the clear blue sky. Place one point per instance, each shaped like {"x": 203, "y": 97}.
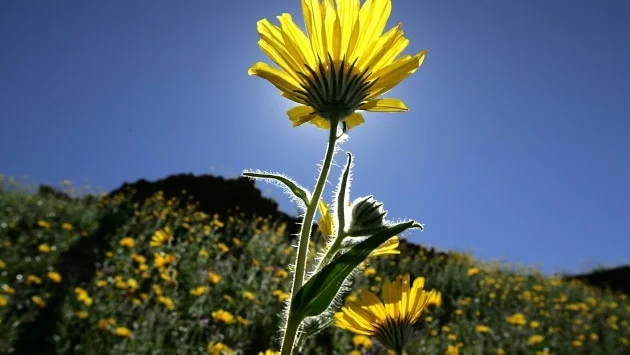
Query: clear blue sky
{"x": 516, "y": 145}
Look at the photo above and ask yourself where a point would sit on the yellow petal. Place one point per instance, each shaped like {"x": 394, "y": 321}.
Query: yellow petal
{"x": 384, "y": 105}
{"x": 353, "y": 120}
{"x": 321, "y": 122}
{"x": 272, "y": 44}
{"x": 326, "y": 224}
{"x": 373, "y": 18}
{"x": 389, "y": 247}
{"x": 296, "y": 41}
{"x": 301, "y": 114}
{"x": 348, "y": 11}
{"x": 278, "y": 78}
{"x": 394, "y": 73}
{"x": 380, "y": 48}
{"x": 374, "y": 305}
{"x": 314, "y": 26}
{"x": 332, "y": 30}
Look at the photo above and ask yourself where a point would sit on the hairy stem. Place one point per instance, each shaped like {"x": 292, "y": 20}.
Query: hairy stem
{"x": 305, "y": 235}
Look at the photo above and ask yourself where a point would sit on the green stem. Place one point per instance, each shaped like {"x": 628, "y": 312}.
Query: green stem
{"x": 305, "y": 235}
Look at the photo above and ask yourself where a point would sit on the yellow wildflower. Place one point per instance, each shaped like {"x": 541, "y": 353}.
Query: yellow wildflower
{"x": 127, "y": 242}
{"x": 54, "y": 276}
{"x": 123, "y": 332}
{"x": 214, "y": 277}
{"x": 223, "y": 316}
{"x": 43, "y": 248}
{"x": 43, "y": 224}
{"x": 343, "y": 63}
{"x": 198, "y": 291}
{"x": 160, "y": 237}
{"x": 402, "y": 306}
{"x": 37, "y": 300}
{"x": 219, "y": 349}
{"x": 362, "y": 341}
{"x": 66, "y": 226}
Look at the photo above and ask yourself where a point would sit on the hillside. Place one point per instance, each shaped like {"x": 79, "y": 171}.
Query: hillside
{"x": 160, "y": 272}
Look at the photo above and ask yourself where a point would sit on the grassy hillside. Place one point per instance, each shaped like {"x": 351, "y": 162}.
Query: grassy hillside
{"x": 114, "y": 276}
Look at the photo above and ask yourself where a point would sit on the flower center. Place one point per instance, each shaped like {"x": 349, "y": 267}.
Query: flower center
{"x": 335, "y": 90}
{"x": 394, "y": 333}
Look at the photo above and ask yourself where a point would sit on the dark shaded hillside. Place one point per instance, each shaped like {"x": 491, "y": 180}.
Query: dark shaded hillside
{"x": 213, "y": 195}
{"x": 617, "y": 279}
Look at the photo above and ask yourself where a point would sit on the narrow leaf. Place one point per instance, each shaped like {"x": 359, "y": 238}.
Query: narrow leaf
{"x": 297, "y": 190}
{"x": 320, "y": 290}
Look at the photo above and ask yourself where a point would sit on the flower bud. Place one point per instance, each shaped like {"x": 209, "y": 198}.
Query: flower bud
{"x": 367, "y": 216}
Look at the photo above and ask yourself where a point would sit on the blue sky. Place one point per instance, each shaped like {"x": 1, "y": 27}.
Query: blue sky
{"x": 515, "y": 146}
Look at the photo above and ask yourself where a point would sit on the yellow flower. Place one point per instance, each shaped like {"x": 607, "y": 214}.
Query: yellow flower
{"x": 198, "y": 291}
{"x": 2, "y": 264}
{"x": 224, "y": 248}
{"x": 517, "y": 319}
{"x": 362, "y": 341}
{"x": 369, "y": 272}
{"x": 81, "y": 314}
{"x": 162, "y": 259}
{"x": 534, "y": 324}
{"x": 101, "y": 283}
{"x": 82, "y": 296}
{"x": 3, "y": 301}
{"x": 32, "y": 279}
{"x": 203, "y": 253}
{"x": 167, "y": 302}
{"x": 214, "y": 277}
{"x": 343, "y": 65}
{"x": 473, "y": 271}
{"x": 452, "y": 350}
{"x": 500, "y": 351}
{"x": 67, "y": 226}
{"x": 161, "y": 237}
{"x": 43, "y": 248}
{"x": 269, "y": 352}
{"x": 243, "y": 321}
{"x": 400, "y": 309}
{"x": 43, "y": 224}
{"x": 54, "y": 276}
{"x": 7, "y": 289}
{"x": 218, "y": 349}
{"x": 282, "y": 273}
{"x": 37, "y": 300}
{"x": 280, "y": 294}
{"x": 248, "y": 296}
{"x": 127, "y": 242}
{"x": 480, "y": 328}
{"x": 535, "y": 339}
{"x": 123, "y": 332}
{"x": 354, "y": 352}
{"x": 223, "y": 316}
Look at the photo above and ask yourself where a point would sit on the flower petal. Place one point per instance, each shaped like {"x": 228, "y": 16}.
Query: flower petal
{"x": 278, "y": 78}
{"x": 391, "y": 75}
{"x": 384, "y": 105}
{"x": 354, "y": 119}
{"x": 301, "y": 114}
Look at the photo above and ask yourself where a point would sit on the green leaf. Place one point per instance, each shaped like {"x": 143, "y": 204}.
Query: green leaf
{"x": 320, "y": 290}
{"x": 297, "y": 190}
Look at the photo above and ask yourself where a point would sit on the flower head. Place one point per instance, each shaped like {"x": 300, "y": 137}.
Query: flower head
{"x": 343, "y": 63}
{"x": 390, "y": 320}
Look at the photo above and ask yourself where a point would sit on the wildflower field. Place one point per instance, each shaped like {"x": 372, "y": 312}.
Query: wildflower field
{"x": 103, "y": 275}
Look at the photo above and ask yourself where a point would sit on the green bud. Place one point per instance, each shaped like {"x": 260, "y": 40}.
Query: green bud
{"x": 368, "y": 216}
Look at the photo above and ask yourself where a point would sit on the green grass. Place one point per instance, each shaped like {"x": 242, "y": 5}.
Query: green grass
{"x": 156, "y": 304}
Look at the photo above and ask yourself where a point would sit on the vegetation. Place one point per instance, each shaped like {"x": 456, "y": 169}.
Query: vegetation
{"x": 110, "y": 275}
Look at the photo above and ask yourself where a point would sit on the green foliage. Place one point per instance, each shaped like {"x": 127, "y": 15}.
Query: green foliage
{"x": 178, "y": 279}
